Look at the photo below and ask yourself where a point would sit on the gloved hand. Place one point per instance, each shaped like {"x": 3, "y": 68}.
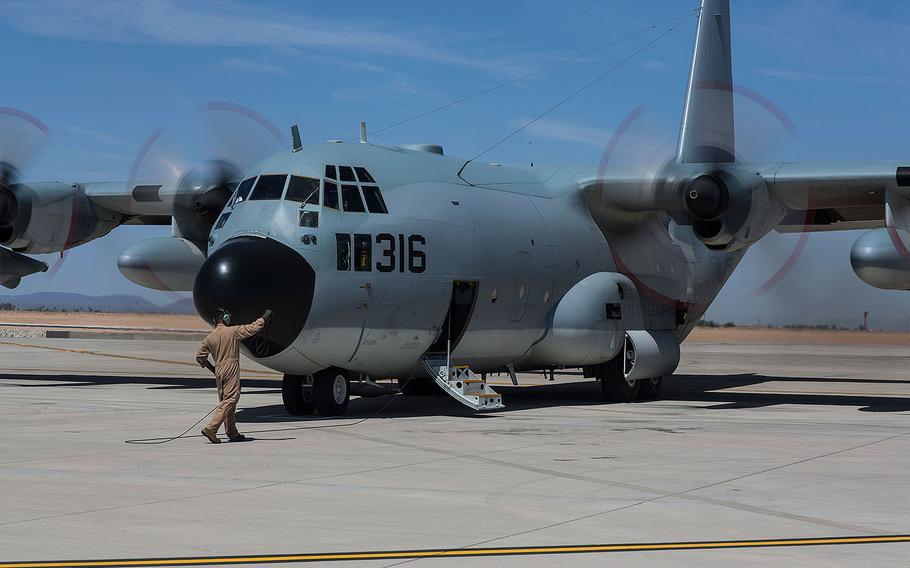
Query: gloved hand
{"x": 267, "y": 315}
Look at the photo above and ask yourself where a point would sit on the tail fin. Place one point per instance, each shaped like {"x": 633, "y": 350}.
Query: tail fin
{"x": 706, "y": 134}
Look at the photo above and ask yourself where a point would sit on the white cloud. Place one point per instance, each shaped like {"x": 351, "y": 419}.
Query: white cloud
{"x": 209, "y": 23}
{"x": 566, "y": 132}
{"x": 655, "y": 65}
{"x": 252, "y": 66}
{"x": 793, "y": 75}
{"x": 96, "y": 135}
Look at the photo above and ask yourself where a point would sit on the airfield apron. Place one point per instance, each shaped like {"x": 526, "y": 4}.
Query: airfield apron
{"x": 223, "y": 344}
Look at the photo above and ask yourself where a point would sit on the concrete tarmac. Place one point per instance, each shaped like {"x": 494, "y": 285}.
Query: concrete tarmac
{"x": 750, "y": 442}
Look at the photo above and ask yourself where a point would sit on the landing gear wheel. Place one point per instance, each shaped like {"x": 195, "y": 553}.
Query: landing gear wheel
{"x": 613, "y": 382}
{"x": 649, "y": 389}
{"x": 297, "y": 395}
{"x": 419, "y": 386}
{"x": 331, "y": 392}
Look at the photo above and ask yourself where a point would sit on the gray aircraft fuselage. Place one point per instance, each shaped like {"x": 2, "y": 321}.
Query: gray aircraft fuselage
{"x": 515, "y": 240}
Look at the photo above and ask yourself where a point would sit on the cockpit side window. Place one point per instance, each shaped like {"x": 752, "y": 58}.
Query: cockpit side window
{"x": 374, "y": 200}
{"x": 363, "y": 176}
{"x": 303, "y": 190}
{"x": 331, "y": 194}
{"x": 354, "y": 180}
{"x": 347, "y": 173}
{"x": 222, "y": 220}
{"x": 243, "y": 190}
{"x": 350, "y": 199}
{"x": 343, "y": 251}
{"x": 269, "y": 187}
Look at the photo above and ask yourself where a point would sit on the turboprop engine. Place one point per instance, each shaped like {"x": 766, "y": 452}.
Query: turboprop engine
{"x": 727, "y": 206}
{"x": 50, "y": 217}
{"x": 171, "y": 263}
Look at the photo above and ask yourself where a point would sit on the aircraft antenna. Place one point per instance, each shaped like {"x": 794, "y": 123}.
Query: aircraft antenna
{"x": 582, "y": 89}
{"x": 296, "y": 144}
{"x": 544, "y": 69}
{"x": 363, "y": 132}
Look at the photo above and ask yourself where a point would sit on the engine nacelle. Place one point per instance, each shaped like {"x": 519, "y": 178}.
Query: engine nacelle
{"x": 728, "y": 207}
{"x": 650, "y": 354}
{"x": 167, "y": 263}
{"x": 51, "y": 217}
{"x": 881, "y": 258}
{"x": 738, "y": 211}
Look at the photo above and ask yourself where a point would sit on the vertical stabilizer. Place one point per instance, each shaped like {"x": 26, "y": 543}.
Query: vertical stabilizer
{"x": 706, "y": 134}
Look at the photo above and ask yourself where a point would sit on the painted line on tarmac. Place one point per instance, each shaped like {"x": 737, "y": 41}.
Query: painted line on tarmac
{"x": 128, "y": 357}
{"x": 463, "y": 552}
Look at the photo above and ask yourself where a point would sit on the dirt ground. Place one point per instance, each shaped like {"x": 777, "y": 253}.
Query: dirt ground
{"x": 732, "y": 335}
{"x": 159, "y": 321}
{"x": 761, "y": 335}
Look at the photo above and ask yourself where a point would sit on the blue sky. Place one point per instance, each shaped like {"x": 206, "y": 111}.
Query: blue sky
{"x": 103, "y": 75}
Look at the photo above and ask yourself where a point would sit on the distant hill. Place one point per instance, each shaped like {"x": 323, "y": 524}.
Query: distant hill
{"x": 66, "y": 301}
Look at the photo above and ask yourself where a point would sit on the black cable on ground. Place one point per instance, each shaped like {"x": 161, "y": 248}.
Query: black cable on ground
{"x": 151, "y": 441}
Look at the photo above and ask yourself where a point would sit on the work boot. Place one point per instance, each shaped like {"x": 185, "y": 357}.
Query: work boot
{"x": 210, "y": 434}
{"x": 238, "y": 437}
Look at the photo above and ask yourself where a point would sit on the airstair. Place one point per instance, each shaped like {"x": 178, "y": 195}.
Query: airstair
{"x": 459, "y": 382}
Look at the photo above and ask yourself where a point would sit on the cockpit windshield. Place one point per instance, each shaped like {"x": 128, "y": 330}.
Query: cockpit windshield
{"x": 269, "y": 187}
{"x": 243, "y": 190}
{"x": 303, "y": 190}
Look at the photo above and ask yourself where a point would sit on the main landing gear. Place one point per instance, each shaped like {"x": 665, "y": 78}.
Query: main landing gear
{"x": 616, "y": 388}
{"x": 327, "y": 392}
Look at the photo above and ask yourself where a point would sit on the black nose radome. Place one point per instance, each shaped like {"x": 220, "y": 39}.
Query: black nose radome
{"x": 248, "y": 275}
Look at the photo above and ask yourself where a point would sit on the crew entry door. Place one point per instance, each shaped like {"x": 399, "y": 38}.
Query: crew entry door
{"x": 461, "y": 308}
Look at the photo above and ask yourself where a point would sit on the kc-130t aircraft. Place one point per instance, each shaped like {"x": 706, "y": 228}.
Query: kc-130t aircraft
{"x": 401, "y": 262}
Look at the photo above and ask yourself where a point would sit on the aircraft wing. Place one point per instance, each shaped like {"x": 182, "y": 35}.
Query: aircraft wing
{"x": 140, "y": 203}
{"x": 836, "y": 196}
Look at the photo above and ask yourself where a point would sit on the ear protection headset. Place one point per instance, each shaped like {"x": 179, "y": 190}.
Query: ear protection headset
{"x": 222, "y": 316}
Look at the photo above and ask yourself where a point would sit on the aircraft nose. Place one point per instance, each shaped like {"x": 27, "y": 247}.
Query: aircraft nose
{"x": 246, "y": 276}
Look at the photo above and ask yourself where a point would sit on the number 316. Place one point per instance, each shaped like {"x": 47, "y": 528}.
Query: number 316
{"x": 394, "y": 253}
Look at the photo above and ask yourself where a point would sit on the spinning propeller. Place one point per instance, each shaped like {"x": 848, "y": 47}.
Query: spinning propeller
{"x": 21, "y": 136}
{"x": 234, "y": 138}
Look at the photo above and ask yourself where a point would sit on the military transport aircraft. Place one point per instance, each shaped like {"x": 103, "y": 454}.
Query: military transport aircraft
{"x": 401, "y": 262}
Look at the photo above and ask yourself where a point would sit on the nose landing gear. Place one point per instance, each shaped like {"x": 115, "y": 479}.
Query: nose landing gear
{"x": 327, "y": 392}
{"x": 331, "y": 392}
{"x": 297, "y": 394}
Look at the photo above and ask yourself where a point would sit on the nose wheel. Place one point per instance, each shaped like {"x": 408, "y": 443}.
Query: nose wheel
{"x": 331, "y": 392}
{"x": 297, "y": 394}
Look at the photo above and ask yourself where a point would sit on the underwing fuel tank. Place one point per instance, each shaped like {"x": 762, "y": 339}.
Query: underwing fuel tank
{"x": 167, "y": 263}
{"x": 881, "y": 258}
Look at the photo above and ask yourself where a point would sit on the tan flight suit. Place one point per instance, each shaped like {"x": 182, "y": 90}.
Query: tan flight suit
{"x": 223, "y": 343}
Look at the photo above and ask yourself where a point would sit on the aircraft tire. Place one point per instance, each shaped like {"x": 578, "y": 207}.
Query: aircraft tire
{"x": 419, "y": 386}
{"x": 614, "y": 385}
{"x": 649, "y": 389}
{"x": 297, "y": 398}
{"x": 331, "y": 392}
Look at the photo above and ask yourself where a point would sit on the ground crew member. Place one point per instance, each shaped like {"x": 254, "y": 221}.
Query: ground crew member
{"x": 223, "y": 343}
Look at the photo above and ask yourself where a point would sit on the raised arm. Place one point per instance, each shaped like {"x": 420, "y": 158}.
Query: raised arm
{"x": 246, "y": 331}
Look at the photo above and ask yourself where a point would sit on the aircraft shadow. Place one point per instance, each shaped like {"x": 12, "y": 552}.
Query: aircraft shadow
{"x": 717, "y": 389}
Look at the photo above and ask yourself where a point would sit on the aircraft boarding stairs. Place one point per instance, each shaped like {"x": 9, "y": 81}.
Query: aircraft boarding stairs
{"x": 459, "y": 382}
